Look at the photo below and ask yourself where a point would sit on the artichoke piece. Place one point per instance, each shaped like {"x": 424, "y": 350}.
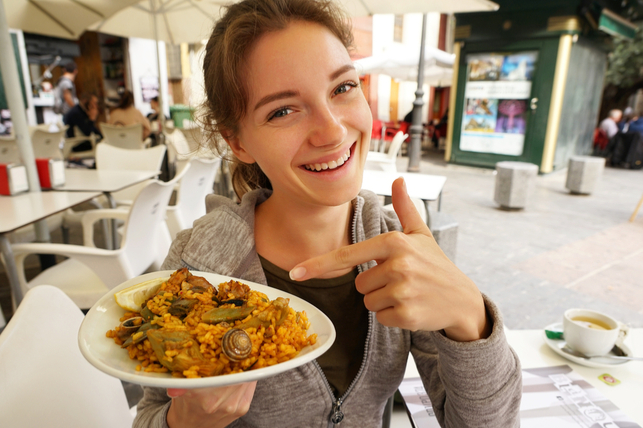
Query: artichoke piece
{"x": 217, "y": 315}
{"x": 182, "y": 307}
{"x": 278, "y": 310}
{"x": 189, "y": 354}
{"x": 147, "y": 314}
{"x": 236, "y": 302}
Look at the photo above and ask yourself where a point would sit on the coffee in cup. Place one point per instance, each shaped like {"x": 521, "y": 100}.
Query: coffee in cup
{"x": 592, "y": 333}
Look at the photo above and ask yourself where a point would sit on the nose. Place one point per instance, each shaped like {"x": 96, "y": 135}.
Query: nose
{"x": 327, "y": 128}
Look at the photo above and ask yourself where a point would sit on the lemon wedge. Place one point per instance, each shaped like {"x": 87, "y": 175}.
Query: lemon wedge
{"x": 131, "y": 298}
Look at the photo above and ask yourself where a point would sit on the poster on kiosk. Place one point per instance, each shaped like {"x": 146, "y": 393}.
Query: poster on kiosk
{"x": 497, "y": 93}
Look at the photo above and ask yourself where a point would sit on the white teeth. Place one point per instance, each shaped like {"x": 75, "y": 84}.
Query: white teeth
{"x": 330, "y": 165}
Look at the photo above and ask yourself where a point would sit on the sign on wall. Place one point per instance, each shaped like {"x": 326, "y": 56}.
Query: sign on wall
{"x": 496, "y": 105}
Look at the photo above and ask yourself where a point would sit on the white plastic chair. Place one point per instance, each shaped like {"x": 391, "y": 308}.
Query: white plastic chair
{"x": 114, "y": 158}
{"x": 386, "y": 161}
{"x": 48, "y": 144}
{"x": 9, "y": 152}
{"x": 197, "y": 182}
{"x": 46, "y": 382}
{"x": 125, "y": 137}
{"x": 91, "y": 272}
{"x": 79, "y": 137}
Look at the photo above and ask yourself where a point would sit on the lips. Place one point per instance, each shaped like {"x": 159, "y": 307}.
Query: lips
{"x": 329, "y": 165}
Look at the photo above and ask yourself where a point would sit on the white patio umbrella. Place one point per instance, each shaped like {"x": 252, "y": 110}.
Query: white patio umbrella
{"x": 171, "y": 21}
{"x": 60, "y": 18}
{"x": 401, "y": 63}
{"x": 398, "y": 7}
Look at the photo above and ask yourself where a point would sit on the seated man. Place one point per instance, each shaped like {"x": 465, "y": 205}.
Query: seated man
{"x": 83, "y": 116}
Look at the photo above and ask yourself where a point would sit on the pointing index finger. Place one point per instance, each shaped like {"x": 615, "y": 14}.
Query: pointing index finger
{"x": 339, "y": 259}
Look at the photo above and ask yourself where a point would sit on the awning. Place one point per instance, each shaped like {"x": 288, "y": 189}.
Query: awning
{"x": 613, "y": 24}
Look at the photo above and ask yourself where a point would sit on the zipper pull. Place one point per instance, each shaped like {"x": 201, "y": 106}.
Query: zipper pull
{"x": 337, "y": 416}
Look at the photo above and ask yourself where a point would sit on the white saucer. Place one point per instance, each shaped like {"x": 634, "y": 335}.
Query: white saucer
{"x": 557, "y": 345}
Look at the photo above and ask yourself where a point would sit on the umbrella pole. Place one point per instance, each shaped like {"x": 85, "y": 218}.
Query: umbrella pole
{"x": 416, "y": 128}
{"x": 161, "y": 115}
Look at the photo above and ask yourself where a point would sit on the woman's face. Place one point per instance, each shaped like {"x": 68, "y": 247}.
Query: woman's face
{"x": 308, "y": 124}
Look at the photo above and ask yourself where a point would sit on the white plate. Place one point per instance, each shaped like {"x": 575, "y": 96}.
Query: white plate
{"x": 110, "y": 358}
{"x": 557, "y": 344}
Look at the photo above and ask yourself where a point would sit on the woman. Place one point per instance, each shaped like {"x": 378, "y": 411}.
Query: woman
{"x": 283, "y": 94}
{"x": 125, "y": 114}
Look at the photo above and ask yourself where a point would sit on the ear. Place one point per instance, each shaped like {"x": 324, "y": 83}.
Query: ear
{"x": 237, "y": 147}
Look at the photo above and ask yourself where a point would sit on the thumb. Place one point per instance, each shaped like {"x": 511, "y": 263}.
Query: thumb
{"x": 405, "y": 209}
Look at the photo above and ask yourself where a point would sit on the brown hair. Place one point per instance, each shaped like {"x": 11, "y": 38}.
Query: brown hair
{"x": 126, "y": 100}
{"x": 227, "y": 94}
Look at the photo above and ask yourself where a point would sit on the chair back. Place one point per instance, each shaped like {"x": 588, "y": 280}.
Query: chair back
{"x": 125, "y": 137}
{"x": 114, "y": 158}
{"x": 46, "y": 382}
{"x": 196, "y": 184}
{"x": 48, "y": 144}
{"x": 396, "y": 145}
{"x": 178, "y": 146}
{"x": 193, "y": 135}
{"x": 146, "y": 238}
{"x": 9, "y": 152}
{"x": 79, "y": 137}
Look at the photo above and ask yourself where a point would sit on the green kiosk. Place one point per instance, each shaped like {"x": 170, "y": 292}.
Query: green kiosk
{"x": 528, "y": 81}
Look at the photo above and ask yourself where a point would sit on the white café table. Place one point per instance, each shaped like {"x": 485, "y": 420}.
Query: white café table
{"x": 422, "y": 186}
{"x": 104, "y": 181}
{"x": 533, "y": 353}
{"x": 24, "y": 209}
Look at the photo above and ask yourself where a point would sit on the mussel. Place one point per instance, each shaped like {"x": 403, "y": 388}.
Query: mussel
{"x": 129, "y": 327}
{"x": 137, "y": 338}
{"x": 236, "y": 344}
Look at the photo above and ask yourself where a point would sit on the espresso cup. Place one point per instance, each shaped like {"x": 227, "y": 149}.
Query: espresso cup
{"x": 592, "y": 333}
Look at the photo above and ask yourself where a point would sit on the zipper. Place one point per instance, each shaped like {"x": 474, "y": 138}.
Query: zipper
{"x": 337, "y": 415}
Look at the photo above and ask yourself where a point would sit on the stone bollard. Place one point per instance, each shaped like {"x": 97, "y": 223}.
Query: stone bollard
{"x": 514, "y": 183}
{"x": 445, "y": 231}
{"x": 583, "y": 173}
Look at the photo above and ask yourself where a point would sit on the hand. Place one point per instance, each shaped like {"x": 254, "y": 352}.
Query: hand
{"x": 414, "y": 285}
{"x": 209, "y": 407}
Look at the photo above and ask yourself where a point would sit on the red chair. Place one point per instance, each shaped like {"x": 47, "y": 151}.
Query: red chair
{"x": 376, "y": 130}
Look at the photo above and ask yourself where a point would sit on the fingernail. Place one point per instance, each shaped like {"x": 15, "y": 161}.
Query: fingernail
{"x": 297, "y": 273}
{"x": 172, "y": 393}
{"x": 404, "y": 185}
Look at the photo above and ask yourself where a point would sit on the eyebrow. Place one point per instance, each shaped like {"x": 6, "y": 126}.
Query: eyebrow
{"x": 287, "y": 94}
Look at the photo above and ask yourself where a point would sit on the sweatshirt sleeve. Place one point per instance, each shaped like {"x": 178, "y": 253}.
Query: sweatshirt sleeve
{"x": 471, "y": 384}
{"x": 151, "y": 411}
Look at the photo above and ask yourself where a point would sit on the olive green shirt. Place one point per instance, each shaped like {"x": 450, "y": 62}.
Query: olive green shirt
{"x": 344, "y": 305}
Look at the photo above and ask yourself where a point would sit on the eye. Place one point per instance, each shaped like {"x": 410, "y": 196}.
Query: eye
{"x": 280, "y": 112}
{"x": 345, "y": 87}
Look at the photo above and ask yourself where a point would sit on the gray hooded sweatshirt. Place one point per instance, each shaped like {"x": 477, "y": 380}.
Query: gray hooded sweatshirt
{"x": 470, "y": 384}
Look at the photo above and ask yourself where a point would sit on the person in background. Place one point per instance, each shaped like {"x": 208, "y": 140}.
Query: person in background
{"x": 284, "y": 97}
{"x": 83, "y": 117}
{"x": 65, "y": 92}
{"x": 628, "y": 115}
{"x": 636, "y": 125}
{"x": 610, "y": 123}
{"x": 125, "y": 114}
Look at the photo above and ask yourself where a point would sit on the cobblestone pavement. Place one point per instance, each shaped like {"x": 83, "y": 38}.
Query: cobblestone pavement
{"x": 561, "y": 251}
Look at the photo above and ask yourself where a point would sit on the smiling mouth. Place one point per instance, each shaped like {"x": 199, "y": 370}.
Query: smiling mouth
{"x": 316, "y": 167}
